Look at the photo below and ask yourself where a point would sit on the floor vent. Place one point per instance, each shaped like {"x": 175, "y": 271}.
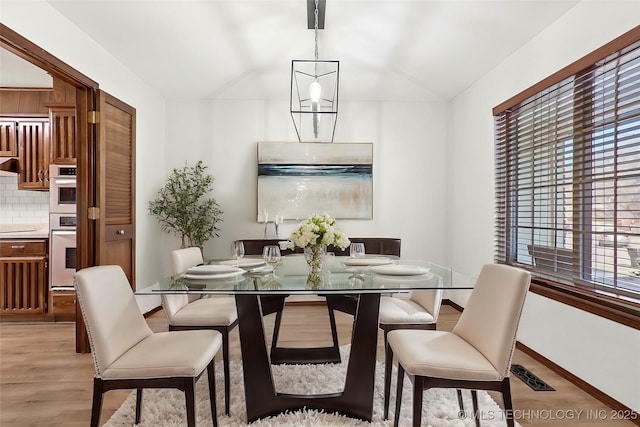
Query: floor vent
{"x": 530, "y": 379}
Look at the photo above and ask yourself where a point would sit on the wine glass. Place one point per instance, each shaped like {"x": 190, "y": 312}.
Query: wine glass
{"x": 237, "y": 251}
{"x": 330, "y": 261}
{"x": 271, "y": 255}
{"x": 356, "y": 250}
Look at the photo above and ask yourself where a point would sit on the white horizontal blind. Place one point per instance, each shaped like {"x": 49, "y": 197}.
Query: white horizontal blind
{"x": 568, "y": 177}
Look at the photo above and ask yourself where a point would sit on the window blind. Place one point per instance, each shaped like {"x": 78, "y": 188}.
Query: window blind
{"x": 568, "y": 176}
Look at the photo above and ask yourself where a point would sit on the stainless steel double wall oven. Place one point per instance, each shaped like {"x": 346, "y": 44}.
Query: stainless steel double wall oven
{"x": 62, "y": 225}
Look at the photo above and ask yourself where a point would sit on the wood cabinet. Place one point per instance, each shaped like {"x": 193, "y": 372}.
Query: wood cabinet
{"x": 27, "y": 138}
{"x": 63, "y": 305}
{"x": 62, "y": 142}
{"x": 62, "y": 118}
{"x": 38, "y": 142}
{"x": 38, "y": 127}
{"x": 24, "y": 101}
{"x": 33, "y": 153}
{"x": 24, "y": 280}
{"x": 8, "y": 133}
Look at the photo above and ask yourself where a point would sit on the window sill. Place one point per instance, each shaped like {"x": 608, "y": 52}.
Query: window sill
{"x": 599, "y": 303}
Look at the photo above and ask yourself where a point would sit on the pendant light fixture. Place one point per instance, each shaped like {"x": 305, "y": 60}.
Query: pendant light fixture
{"x": 314, "y": 92}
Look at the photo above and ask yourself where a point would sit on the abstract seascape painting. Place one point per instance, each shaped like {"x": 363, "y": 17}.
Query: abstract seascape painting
{"x": 296, "y": 180}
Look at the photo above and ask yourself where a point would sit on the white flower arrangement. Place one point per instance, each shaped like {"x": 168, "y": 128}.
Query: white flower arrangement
{"x": 316, "y": 230}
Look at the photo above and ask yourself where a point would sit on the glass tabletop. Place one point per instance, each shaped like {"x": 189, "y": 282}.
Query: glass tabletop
{"x": 340, "y": 275}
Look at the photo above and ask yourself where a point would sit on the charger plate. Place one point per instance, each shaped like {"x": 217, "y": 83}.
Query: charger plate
{"x": 366, "y": 261}
{"x": 399, "y": 270}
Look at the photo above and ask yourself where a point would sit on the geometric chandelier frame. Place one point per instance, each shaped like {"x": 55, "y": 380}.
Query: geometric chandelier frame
{"x": 314, "y": 99}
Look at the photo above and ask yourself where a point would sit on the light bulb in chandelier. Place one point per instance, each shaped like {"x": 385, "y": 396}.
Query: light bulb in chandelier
{"x": 315, "y": 90}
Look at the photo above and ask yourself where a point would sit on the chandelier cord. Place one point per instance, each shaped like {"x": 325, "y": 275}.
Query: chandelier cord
{"x": 316, "y": 30}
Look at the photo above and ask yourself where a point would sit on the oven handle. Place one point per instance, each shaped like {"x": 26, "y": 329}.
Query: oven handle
{"x": 63, "y": 181}
{"x": 63, "y": 232}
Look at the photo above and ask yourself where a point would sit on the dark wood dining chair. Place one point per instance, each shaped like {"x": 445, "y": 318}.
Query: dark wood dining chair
{"x": 373, "y": 245}
{"x": 255, "y": 246}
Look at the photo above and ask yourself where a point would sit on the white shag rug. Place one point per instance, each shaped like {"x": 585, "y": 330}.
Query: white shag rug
{"x": 166, "y": 407}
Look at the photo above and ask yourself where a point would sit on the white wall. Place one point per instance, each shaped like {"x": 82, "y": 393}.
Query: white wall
{"x": 44, "y": 26}
{"x": 597, "y": 350}
{"x": 409, "y": 145}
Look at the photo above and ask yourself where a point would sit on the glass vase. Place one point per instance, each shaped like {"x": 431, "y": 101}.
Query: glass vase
{"x": 314, "y": 255}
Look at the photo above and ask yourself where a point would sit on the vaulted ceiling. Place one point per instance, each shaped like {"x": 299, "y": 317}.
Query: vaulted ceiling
{"x": 242, "y": 49}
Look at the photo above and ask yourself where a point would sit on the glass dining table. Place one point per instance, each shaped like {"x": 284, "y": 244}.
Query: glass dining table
{"x": 260, "y": 290}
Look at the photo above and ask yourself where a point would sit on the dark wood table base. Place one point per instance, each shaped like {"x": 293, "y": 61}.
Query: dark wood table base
{"x": 307, "y": 355}
{"x": 270, "y": 304}
{"x": 356, "y": 400}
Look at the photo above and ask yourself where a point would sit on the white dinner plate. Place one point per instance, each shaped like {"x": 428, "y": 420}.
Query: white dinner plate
{"x": 210, "y": 269}
{"x": 199, "y": 276}
{"x": 244, "y": 262}
{"x": 358, "y": 262}
{"x": 399, "y": 270}
{"x": 262, "y": 269}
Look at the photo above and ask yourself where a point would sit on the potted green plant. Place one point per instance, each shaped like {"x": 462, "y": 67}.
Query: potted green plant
{"x": 185, "y": 208}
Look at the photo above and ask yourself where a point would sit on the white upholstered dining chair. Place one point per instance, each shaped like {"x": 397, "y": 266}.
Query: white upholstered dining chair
{"x": 128, "y": 355}
{"x": 419, "y": 311}
{"x": 477, "y": 354}
{"x": 189, "y": 311}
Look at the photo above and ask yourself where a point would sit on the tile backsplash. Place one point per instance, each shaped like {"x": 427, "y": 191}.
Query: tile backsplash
{"x": 22, "y": 206}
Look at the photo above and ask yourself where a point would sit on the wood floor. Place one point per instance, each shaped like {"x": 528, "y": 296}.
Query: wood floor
{"x": 43, "y": 382}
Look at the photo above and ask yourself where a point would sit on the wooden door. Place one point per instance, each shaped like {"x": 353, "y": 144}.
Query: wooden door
{"x": 63, "y": 140}
{"x": 8, "y": 146}
{"x": 106, "y": 173}
{"x": 115, "y": 186}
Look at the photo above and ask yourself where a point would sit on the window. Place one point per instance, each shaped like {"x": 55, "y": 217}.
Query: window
{"x": 568, "y": 174}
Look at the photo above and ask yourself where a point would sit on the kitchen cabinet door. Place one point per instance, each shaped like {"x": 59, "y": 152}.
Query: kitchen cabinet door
{"x": 22, "y": 285}
{"x": 33, "y": 154}
{"x": 63, "y": 135}
{"x": 8, "y": 146}
{"x": 24, "y": 280}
